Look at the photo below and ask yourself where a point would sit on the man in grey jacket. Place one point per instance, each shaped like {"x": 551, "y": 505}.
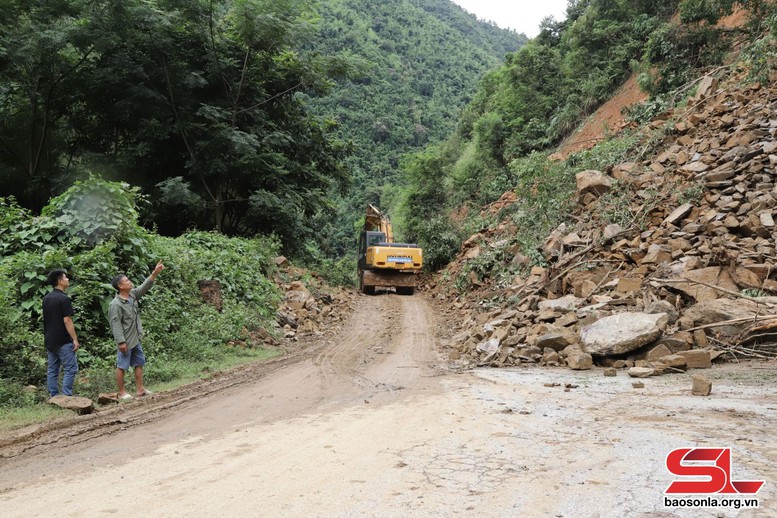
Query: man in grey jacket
{"x": 124, "y": 317}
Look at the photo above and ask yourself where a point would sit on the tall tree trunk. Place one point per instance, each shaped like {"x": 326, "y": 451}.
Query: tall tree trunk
{"x": 219, "y": 211}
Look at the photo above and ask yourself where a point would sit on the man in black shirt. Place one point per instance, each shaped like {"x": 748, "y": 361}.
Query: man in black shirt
{"x": 60, "y": 334}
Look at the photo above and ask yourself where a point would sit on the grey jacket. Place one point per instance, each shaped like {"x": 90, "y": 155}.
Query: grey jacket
{"x": 124, "y": 316}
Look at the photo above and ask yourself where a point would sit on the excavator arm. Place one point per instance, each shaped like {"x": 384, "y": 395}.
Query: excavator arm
{"x": 378, "y": 222}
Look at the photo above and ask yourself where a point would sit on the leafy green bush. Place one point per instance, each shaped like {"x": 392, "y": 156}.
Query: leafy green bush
{"x": 440, "y": 242}
{"x": 546, "y": 189}
{"x": 761, "y": 57}
{"x": 11, "y": 213}
{"x": 13, "y": 395}
{"x": 178, "y": 323}
{"x": 22, "y": 357}
{"x": 708, "y": 11}
{"x": 605, "y": 154}
{"x": 644, "y": 112}
{"x": 674, "y": 52}
{"x": 336, "y": 272}
{"x": 92, "y": 231}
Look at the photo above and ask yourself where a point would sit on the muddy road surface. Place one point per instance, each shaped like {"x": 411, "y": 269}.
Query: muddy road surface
{"x": 374, "y": 422}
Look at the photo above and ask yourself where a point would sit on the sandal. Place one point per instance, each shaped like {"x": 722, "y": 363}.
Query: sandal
{"x": 125, "y": 397}
{"x": 145, "y": 393}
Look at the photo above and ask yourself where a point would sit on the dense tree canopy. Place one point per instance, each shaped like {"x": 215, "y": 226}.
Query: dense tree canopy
{"x": 197, "y": 101}
{"x": 244, "y": 116}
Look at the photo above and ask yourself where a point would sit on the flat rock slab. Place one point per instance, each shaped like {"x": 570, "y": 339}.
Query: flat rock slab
{"x": 641, "y": 372}
{"x": 565, "y": 303}
{"x": 80, "y": 405}
{"x": 697, "y": 358}
{"x": 622, "y": 333}
{"x": 711, "y": 276}
{"x": 108, "y": 398}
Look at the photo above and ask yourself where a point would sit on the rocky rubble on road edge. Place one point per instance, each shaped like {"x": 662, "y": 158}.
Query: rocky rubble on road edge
{"x": 664, "y": 293}
{"x": 308, "y": 308}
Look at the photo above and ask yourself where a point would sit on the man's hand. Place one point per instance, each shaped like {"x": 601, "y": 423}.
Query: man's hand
{"x": 76, "y": 345}
{"x": 159, "y": 267}
{"x": 123, "y": 348}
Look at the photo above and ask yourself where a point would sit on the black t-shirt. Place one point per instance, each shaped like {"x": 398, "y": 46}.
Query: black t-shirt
{"x": 56, "y": 306}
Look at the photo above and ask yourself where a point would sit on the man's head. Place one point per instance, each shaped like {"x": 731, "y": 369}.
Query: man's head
{"x": 58, "y": 279}
{"x": 121, "y": 282}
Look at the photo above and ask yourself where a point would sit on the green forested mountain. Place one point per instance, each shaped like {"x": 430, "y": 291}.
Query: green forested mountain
{"x": 416, "y": 63}
{"x": 219, "y": 110}
{"x": 546, "y": 89}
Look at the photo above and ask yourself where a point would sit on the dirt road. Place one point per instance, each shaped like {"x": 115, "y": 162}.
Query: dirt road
{"x": 373, "y": 422}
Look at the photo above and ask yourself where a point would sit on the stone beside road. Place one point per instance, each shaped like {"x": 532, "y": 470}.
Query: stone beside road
{"x": 622, "y": 333}
{"x": 77, "y": 404}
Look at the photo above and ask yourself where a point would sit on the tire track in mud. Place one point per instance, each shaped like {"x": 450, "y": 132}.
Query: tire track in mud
{"x": 75, "y": 430}
{"x": 390, "y": 338}
{"x": 324, "y": 371}
{"x": 368, "y": 327}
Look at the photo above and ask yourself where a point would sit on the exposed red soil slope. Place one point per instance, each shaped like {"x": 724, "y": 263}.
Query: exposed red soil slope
{"x": 608, "y": 119}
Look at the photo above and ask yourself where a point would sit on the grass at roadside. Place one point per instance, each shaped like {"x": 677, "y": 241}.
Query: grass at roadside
{"x": 160, "y": 375}
{"x": 188, "y": 372}
{"x": 12, "y": 418}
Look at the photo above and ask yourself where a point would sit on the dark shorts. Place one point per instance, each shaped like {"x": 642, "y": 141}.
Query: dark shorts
{"x": 132, "y": 358}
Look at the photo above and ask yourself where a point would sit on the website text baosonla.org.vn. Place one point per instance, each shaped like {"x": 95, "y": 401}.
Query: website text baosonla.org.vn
{"x": 708, "y": 501}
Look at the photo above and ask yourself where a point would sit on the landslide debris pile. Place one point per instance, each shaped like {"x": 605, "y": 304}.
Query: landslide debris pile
{"x": 301, "y": 313}
{"x": 684, "y": 281}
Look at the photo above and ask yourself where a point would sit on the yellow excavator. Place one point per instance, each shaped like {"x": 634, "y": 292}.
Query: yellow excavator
{"x": 384, "y": 263}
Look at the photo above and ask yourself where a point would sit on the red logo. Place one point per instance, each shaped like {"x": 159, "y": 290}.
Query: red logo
{"x": 713, "y": 463}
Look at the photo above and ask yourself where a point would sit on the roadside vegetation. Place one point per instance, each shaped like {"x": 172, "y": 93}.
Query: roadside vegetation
{"x": 248, "y": 117}
{"x": 92, "y": 231}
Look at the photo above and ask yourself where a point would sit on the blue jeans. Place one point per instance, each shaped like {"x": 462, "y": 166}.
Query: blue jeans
{"x": 63, "y": 357}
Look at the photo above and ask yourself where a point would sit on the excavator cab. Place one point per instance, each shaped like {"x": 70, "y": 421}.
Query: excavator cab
{"x": 367, "y": 240}
{"x": 375, "y": 238}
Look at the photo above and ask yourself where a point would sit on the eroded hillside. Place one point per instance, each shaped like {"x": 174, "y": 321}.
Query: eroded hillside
{"x": 664, "y": 262}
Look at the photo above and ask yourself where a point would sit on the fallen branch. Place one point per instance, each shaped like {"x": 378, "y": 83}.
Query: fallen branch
{"x": 754, "y": 319}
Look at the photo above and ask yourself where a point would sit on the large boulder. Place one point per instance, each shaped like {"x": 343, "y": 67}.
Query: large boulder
{"x": 594, "y": 182}
{"x": 714, "y": 276}
{"x": 622, "y": 333}
{"x": 722, "y": 310}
